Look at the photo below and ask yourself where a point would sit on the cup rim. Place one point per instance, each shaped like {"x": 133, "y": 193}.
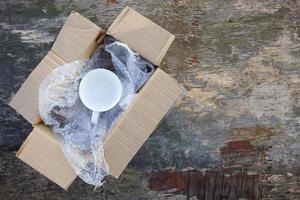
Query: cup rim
{"x": 114, "y": 103}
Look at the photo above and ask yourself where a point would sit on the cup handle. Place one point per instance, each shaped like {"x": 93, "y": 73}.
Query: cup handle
{"x": 94, "y": 118}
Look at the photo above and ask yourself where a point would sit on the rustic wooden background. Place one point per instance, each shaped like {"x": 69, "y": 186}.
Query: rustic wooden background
{"x": 236, "y": 135}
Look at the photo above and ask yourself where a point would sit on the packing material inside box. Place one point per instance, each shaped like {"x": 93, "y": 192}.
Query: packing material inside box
{"x": 61, "y": 109}
{"x": 77, "y": 40}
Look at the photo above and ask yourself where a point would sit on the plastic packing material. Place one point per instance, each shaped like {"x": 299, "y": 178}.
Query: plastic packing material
{"x": 60, "y": 106}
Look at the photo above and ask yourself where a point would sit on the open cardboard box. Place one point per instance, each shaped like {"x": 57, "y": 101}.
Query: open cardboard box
{"x": 77, "y": 40}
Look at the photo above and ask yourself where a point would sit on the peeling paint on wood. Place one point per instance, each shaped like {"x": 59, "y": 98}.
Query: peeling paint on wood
{"x": 207, "y": 185}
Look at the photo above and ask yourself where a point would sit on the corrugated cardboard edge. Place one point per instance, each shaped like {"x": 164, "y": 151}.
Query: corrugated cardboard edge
{"x": 120, "y": 146}
{"x": 164, "y": 50}
{"x": 119, "y": 18}
{"x": 112, "y": 31}
{"x": 77, "y": 39}
{"x": 36, "y": 147}
{"x": 23, "y": 145}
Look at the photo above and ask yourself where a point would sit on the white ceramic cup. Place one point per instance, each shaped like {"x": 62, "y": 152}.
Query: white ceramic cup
{"x": 100, "y": 90}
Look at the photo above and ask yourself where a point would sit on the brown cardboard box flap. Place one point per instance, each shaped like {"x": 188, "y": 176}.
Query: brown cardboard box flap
{"x": 76, "y": 41}
{"x": 42, "y": 151}
{"x": 142, "y": 117}
{"x": 25, "y": 102}
{"x": 142, "y": 35}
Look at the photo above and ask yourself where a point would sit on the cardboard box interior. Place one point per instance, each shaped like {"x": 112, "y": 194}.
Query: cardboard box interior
{"x": 77, "y": 40}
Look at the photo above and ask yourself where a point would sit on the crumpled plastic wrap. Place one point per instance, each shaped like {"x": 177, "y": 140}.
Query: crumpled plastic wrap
{"x": 60, "y": 106}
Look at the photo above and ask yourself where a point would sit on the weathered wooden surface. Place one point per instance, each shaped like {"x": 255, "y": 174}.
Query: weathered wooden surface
{"x": 235, "y": 136}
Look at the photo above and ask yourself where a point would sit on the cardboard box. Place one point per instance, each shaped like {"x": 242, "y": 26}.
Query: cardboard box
{"x": 77, "y": 40}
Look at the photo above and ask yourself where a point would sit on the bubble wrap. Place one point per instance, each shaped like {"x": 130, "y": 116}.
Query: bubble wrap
{"x": 60, "y": 106}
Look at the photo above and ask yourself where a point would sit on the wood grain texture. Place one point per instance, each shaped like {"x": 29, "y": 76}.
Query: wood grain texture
{"x": 235, "y": 136}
